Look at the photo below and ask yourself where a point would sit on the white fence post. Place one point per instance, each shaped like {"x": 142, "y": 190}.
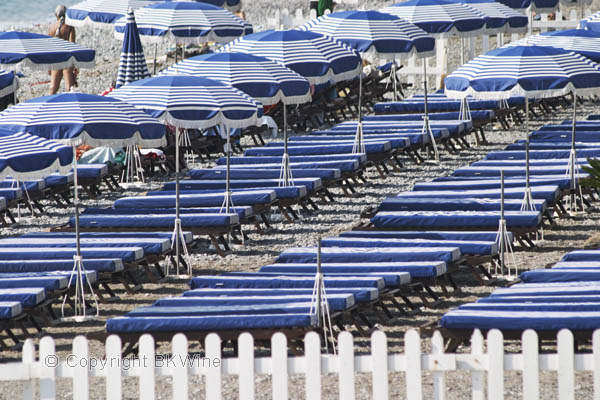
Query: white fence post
{"x": 213, "y": 376}
{"x": 495, "y": 348}
{"x": 596, "y": 363}
{"x": 346, "y": 366}
{"x": 531, "y": 366}
{"x": 379, "y": 361}
{"x": 439, "y": 382}
{"x": 246, "y": 366}
{"x": 146, "y": 365}
{"x": 412, "y": 350}
{"x": 279, "y": 366}
{"x": 28, "y": 358}
{"x": 81, "y": 361}
{"x": 180, "y": 371}
{"x": 566, "y": 363}
{"x": 477, "y": 376}
{"x": 114, "y": 390}
{"x": 48, "y": 365}
{"x": 312, "y": 360}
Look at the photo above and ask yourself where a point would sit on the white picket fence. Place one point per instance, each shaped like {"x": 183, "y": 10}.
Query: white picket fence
{"x": 41, "y": 373}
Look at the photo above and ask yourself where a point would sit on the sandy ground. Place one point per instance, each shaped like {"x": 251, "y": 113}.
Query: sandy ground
{"x": 332, "y": 219}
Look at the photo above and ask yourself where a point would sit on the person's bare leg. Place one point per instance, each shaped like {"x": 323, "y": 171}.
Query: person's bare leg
{"x": 69, "y": 78}
{"x": 55, "y": 78}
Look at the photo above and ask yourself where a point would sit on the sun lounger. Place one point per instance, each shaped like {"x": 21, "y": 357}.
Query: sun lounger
{"x": 542, "y": 154}
{"x": 260, "y": 198}
{"x": 479, "y": 183}
{"x": 364, "y": 294}
{"x": 359, "y": 157}
{"x": 582, "y": 255}
{"x": 127, "y": 254}
{"x": 256, "y": 281}
{"x": 326, "y": 174}
{"x": 27, "y": 297}
{"x": 311, "y": 184}
{"x": 549, "y": 193}
{"x": 435, "y": 104}
{"x": 428, "y": 204}
{"x": 420, "y": 269}
{"x": 100, "y": 265}
{"x": 371, "y": 149}
{"x": 192, "y": 222}
{"x": 487, "y": 171}
{"x": 51, "y": 281}
{"x": 241, "y": 310}
{"x": 461, "y": 219}
{"x": 521, "y": 163}
{"x": 382, "y": 123}
{"x": 281, "y": 192}
{"x": 352, "y": 255}
{"x": 337, "y": 302}
{"x": 434, "y": 235}
{"x": 535, "y": 145}
{"x": 564, "y": 135}
{"x": 349, "y": 165}
{"x": 560, "y": 275}
{"x": 396, "y": 141}
{"x": 390, "y": 279}
{"x": 148, "y": 245}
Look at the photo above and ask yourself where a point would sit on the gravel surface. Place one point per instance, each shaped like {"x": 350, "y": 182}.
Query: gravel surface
{"x": 333, "y": 218}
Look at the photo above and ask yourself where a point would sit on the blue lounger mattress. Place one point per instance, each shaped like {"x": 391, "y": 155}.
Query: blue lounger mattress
{"x": 232, "y": 281}
{"x": 522, "y": 163}
{"x": 422, "y": 269}
{"x": 471, "y": 247}
{"x": 577, "y": 265}
{"x": 158, "y": 221}
{"x": 396, "y": 141}
{"x": 415, "y": 135}
{"x": 16, "y": 253}
{"x": 31, "y": 185}
{"x": 149, "y": 246}
{"x": 447, "y": 115}
{"x": 321, "y": 149}
{"x": 359, "y": 157}
{"x": 536, "y": 306}
{"x": 521, "y": 320}
{"x": 337, "y": 302}
{"x": 560, "y": 275}
{"x": 549, "y": 193}
{"x": 564, "y": 136}
{"x": 10, "y": 309}
{"x": 188, "y": 237}
{"x": 428, "y": 204}
{"x": 184, "y": 185}
{"x": 11, "y": 194}
{"x": 208, "y": 323}
{"x": 582, "y": 255}
{"x": 239, "y": 198}
{"x": 281, "y": 192}
{"x": 241, "y": 211}
{"x": 386, "y": 124}
{"x": 108, "y": 265}
{"x": 341, "y": 165}
{"x": 540, "y": 299}
{"x": 433, "y": 235}
{"x": 390, "y": 279}
{"x": 549, "y": 289}
{"x": 241, "y": 310}
{"x": 459, "y": 219}
{"x": 480, "y": 183}
{"x": 57, "y": 180}
{"x": 542, "y": 154}
{"x": 27, "y": 297}
{"x": 258, "y": 173}
{"x": 47, "y": 280}
{"x": 91, "y": 170}
{"x": 361, "y": 295}
{"x": 434, "y": 105}
{"x": 485, "y": 171}
{"x": 334, "y": 255}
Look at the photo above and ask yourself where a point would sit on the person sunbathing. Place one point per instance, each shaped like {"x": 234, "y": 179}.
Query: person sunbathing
{"x": 66, "y": 32}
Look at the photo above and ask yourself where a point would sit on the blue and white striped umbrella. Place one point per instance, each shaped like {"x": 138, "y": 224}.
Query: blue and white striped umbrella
{"x": 499, "y": 18}
{"x": 530, "y": 71}
{"x": 440, "y": 17}
{"x": 184, "y": 22}
{"x": 373, "y": 32}
{"x": 132, "y": 64}
{"x": 539, "y": 6}
{"x": 191, "y": 102}
{"x": 9, "y": 83}
{"x": 24, "y": 156}
{"x": 78, "y": 118}
{"x": 231, "y": 5}
{"x": 591, "y": 22}
{"x": 581, "y": 41}
{"x": 262, "y": 79}
{"x": 316, "y": 57}
{"x": 103, "y": 12}
{"x": 42, "y": 52}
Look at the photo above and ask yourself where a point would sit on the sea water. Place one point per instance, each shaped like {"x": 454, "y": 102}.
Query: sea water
{"x": 15, "y": 13}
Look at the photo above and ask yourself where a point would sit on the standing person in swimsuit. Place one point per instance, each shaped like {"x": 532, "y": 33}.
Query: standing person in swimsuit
{"x": 66, "y": 32}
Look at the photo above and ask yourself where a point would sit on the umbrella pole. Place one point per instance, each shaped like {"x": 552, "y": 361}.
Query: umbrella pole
{"x": 177, "y": 219}
{"x": 358, "y": 146}
{"x": 318, "y": 279}
{"x": 227, "y": 178}
{"x": 285, "y": 174}
{"x": 502, "y": 223}
{"x": 426, "y": 127}
{"x": 155, "y": 50}
{"x": 573, "y": 155}
{"x": 395, "y": 80}
{"x": 527, "y": 200}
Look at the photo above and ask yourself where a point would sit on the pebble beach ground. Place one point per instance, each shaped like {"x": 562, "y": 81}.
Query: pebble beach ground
{"x": 333, "y": 218}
